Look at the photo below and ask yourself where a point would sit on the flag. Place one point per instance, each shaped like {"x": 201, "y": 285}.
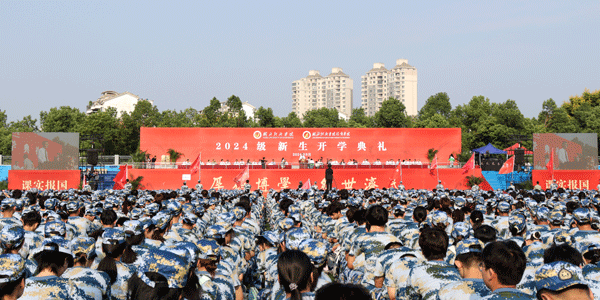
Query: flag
{"x": 307, "y": 185}
{"x": 241, "y": 178}
{"x": 469, "y": 165}
{"x": 550, "y": 164}
{"x": 434, "y": 165}
{"x": 121, "y": 178}
{"x": 396, "y": 178}
{"x": 508, "y": 166}
{"x": 196, "y": 165}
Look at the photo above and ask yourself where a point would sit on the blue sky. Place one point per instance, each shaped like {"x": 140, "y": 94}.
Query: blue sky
{"x": 182, "y": 53}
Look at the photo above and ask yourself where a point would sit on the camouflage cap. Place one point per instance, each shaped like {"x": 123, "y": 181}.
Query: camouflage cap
{"x": 72, "y": 206}
{"x": 209, "y": 249}
{"x": 12, "y": 267}
{"x": 459, "y": 202}
{"x": 50, "y": 203}
{"x": 557, "y": 276}
{"x": 173, "y": 267}
{"x": 542, "y": 213}
{"x": 238, "y": 212}
{"x": 113, "y": 236}
{"x": 63, "y": 245}
{"x": 272, "y": 237}
{"x": 215, "y": 232}
{"x": 294, "y": 237}
{"x": 136, "y": 213}
{"x": 226, "y": 227}
{"x": 296, "y": 217}
{"x": 439, "y": 218}
{"x": 555, "y": 217}
{"x": 8, "y": 203}
{"x": 55, "y": 228}
{"x": 564, "y": 237}
{"x": 189, "y": 218}
{"x": 285, "y": 224}
{"x": 83, "y": 245}
{"x": 12, "y": 236}
{"x": 585, "y": 247}
{"x": 503, "y": 207}
{"x": 460, "y": 229}
{"x": 518, "y": 222}
{"x": 174, "y": 207}
{"x": 162, "y": 220}
{"x": 133, "y": 227}
{"x": 316, "y": 251}
{"x": 469, "y": 246}
{"x": 582, "y": 215}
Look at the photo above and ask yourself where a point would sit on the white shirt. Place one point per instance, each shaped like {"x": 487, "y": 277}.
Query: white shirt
{"x": 42, "y": 155}
{"x": 365, "y": 162}
{"x": 377, "y": 163}
{"x": 563, "y": 156}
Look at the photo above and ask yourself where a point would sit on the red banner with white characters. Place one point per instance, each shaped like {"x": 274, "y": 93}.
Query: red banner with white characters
{"x": 292, "y": 143}
{"x": 577, "y": 180}
{"x": 43, "y": 180}
{"x": 278, "y": 179}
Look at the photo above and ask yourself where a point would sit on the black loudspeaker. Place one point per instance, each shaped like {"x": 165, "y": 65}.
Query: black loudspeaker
{"x": 519, "y": 156}
{"x": 92, "y": 158}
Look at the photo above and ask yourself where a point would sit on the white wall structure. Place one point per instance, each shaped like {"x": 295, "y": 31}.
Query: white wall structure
{"x": 124, "y": 102}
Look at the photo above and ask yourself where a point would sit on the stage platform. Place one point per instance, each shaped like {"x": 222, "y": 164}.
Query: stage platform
{"x": 278, "y": 179}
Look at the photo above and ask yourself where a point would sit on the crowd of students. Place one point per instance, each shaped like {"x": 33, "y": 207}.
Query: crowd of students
{"x": 299, "y": 244}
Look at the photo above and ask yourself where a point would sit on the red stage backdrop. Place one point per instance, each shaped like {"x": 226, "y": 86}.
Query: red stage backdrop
{"x": 577, "y": 179}
{"x": 43, "y": 180}
{"x": 290, "y": 143}
{"x": 281, "y": 179}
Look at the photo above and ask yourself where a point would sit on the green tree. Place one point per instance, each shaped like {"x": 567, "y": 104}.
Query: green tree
{"x": 265, "y": 118}
{"x": 105, "y": 123}
{"x": 435, "y": 121}
{"x": 234, "y": 104}
{"x": 548, "y": 108}
{"x": 436, "y": 104}
{"x": 591, "y": 98}
{"x": 291, "y": 121}
{"x": 392, "y": 114}
{"x": 359, "y": 119}
{"x": 144, "y": 115}
{"x": 322, "y": 117}
{"x": 211, "y": 114}
{"x": 63, "y": 119}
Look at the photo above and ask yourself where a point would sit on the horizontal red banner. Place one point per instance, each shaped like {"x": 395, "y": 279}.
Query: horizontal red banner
{"x": 576, "y": 179}
{"x": 282, "y": 179}
{"x": 243, "y": 144}
{"x": 43, "y": 180}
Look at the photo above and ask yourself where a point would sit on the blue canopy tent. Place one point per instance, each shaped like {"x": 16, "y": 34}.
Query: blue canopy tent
{"x": 488, "y": 149}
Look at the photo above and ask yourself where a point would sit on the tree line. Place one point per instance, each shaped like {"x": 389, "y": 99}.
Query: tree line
{"x": 481, "y": 120}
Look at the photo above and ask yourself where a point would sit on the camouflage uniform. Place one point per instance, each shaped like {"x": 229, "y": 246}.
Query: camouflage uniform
{"x": 425, "y": 280}
{"x": 474, "y": 288}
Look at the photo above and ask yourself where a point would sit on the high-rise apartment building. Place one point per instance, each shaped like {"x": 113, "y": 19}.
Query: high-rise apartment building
{"x": 379, "y": 84}
{"x": 315, "y": 91}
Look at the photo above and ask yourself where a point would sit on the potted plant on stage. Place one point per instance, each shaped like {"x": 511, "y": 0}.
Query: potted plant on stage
{"x": 174, "y": 156}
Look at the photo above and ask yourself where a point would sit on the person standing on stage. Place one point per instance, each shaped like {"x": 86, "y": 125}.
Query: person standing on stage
{"x": 328, "y": 176}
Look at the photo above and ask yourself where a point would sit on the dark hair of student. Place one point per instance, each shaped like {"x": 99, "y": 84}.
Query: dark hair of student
{"x": 360, "y": 216}
{"x": 31, "y": 218}
{"x": 377, "y": 215}
{"x": 485, "y": 233}
{"x": 108, "y": 217}
{"x": 108, "y": 264}
{"x": 295, "y": 269}
{"x": 52, "y": 259}
{"x": 139, "y": 290}
{"x": 458, "y": 216}
{"x": 476, "y": 218}
{"x": 433, "y": 243}
{"x": 7, "y": 288}
{"x": 420, "y": 214}
{"x": 158, "y": 234}
{"x": 471, "y": 259}
{"x": 335, "y": 291}
{"x": 507, "y": 260}
{"x": 564, "y": 253}
{"x": 129, "y": 256}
